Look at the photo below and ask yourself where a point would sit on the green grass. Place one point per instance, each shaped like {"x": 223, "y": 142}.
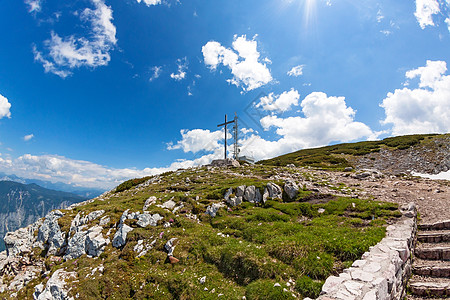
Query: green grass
{"x": 243, "y": 251}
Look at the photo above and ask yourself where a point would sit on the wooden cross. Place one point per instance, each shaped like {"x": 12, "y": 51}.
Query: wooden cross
{"x": 225, "y": 124}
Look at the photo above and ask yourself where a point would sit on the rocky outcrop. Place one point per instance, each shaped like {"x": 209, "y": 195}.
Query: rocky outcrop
{"x": 120, "y": 238}
{"x": 212, "y": 209}
{"x": 146, "y": 219}
{"x": 55, "y": 288}
{"x": 291, "y": 189}
{"x": 50, "y": 234}
{"x": 273, "y": 191}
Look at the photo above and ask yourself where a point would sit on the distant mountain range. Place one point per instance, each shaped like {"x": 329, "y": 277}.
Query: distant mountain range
{"x": 22, "y": 204}
{"x": 58, "y": 186}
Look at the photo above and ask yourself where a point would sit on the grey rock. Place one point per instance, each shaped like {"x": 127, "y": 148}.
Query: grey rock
{"x": 228, "y": 194}
{"x": 240, "y": 191}
{"x": 169, "y": 246}
{"x": 55, "y": 289}
{"x": 212, "y": 209}
{"x": 21, "y": 240}
{"x": 169, "y": 204}
{"x": 95, "y": 243}
{"x": 274, "y": 190}
{"x": 348, "y": 169}
{"x": 124, "y": 216}
{"x": 150, "y": 201}
{"x": 145, "y": 220}
{"x": 157, "y": 217}
{"x": 76, "y": 245}
{"x": 265, "y": 195}
{"x": 104, "y": 220}
{"x": 291, "y": 189}
{"x": 120, "y": 238}
{"x": 93, "y": 216}
{"x": 250, "y": 194}
{"x": 50, "y": 233}
{"x": 290, "y": 166}
{"x": 258, "y": 196}
{"x": 235, "y": 201}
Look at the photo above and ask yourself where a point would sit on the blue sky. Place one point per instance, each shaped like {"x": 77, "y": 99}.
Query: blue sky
{"x": 93, "y": 92}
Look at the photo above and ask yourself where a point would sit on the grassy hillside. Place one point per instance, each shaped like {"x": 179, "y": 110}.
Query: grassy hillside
{"x": 336, "y": 157}
{"x": 243, "y": 251}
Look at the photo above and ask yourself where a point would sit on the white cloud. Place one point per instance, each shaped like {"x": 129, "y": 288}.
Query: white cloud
{"x": 67, "y": 53}
{"x": 326, "y": 119}
{"x": 182, "y": 67}
{"x": 28, "y": 137}
{"x": 279, "y": 103}
{"x": 243, "y": 62}
{"x": 57, "y": 168}
{"x": 157, "y": 70}
{"x": 5, "y": 107}
{"x": 296, "y": 71}
{"x": 425, "y": 9}
{"x": 386, "y": 32}
{"x": 33, "y": 5}
{"x": 198, "y": 140}
{"x": 150, "y": 2}
{"x": 425, "y": 109}
{"x": 380, "y": 16}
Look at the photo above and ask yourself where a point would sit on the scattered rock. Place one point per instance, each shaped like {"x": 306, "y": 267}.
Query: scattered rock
{"x": 50, "y": 234}
{"x": 169, "y": 204}
{"x": 55, "y": 289}
{"x": 202, "y": 280}
{"x": 120, "y": 238}
{"x": 169, "y": 246}
{"x": 212, "y": 209}
{"x": 348, "y": 169}
{"x": 290, "y": 166}
{"x": 274, "y": 191}
{"x": 145, "y": 220}
{"x": 291, "y": 189}
{"x": 150, "y": 201}
{"x": 95, "y": 243}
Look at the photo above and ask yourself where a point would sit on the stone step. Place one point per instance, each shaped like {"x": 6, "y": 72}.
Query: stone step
{"x": 434, "y": 236}
{"x": 433, "y": 251}
{"x": 433, "y": 268}
{"x": 442, "y": 225}
{"x": 425, "y": 288}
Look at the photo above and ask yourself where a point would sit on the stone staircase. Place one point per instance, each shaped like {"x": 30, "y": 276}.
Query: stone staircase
{"x": 431, "y": 266}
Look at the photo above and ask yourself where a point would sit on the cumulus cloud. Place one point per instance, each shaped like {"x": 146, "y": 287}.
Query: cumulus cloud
{"x": 325, "y": 120}
{"x": 279, "y": 103}
{"x": 425, "y": 109}
{"x": 425, "y": 9}
{"x": 150, "y": 2}
{"x": 182, "y": 68}
{"x": 63, "y": 54}
{"x": 5, "y": 107}
{"x": 243, "y": 61}
{"x": 296, "y": 71}
{"x": 33, "y": 5}
{"x": 198, "y": 140}
{"x": 28, "y": 137}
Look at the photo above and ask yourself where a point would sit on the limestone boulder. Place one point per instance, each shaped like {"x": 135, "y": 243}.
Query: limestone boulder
{"x": 120, "y": 238}
{"x": 291, "y": 189}
{"x": 212, "y": 209}
{"x": 55, "y": 288}
{"x": 274, "y": 191}
{"x": 50, "y": 233}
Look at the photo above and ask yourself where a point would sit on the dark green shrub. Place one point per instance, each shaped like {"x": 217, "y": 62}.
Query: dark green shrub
{"x": 308, "y": 287}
